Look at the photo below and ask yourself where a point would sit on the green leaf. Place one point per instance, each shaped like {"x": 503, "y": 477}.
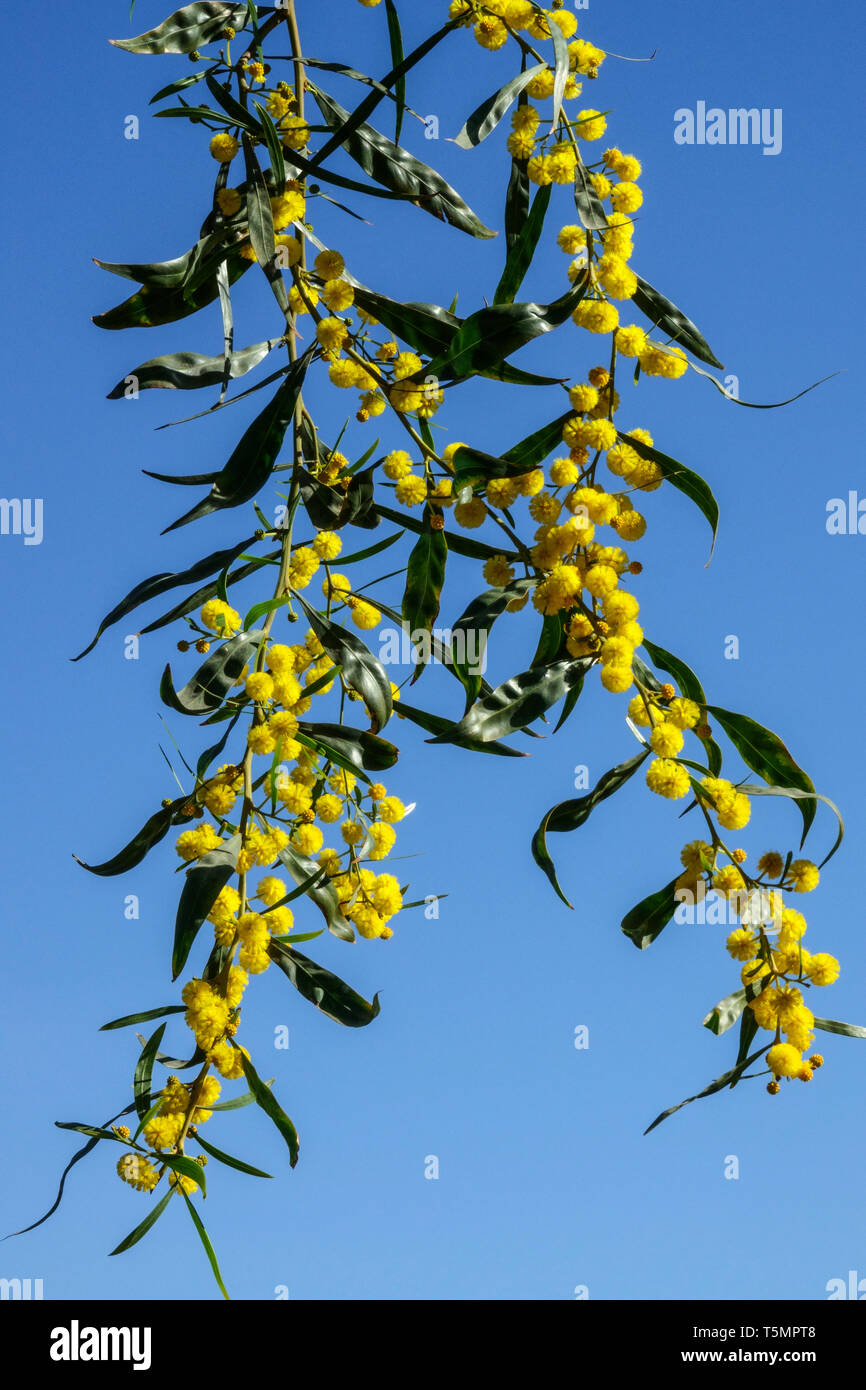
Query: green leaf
{"x": 680, "y": 477}
{"x": 204, "y": 882}
{"x": 188, "y": 28}
{"x": 144, "y": 1226}
{"x": 190, "y": 371}
{"x": 132, "y": 854}
{"x": 796, "y": 795}
{"x": 179, "y": 86}
{"x": 460, "y": 544}
{"x": 319, "y": 888}
{"x": 397, "y": 170}
{"x": 362, "y": 671}
{"x": 762, "y": 405}
{"x": 490, "y": 335}
{"x": 570, "y": 815}
{"x": 275, "y": 149}
{"x": 352, "y": 749}
{"x": 726, "y": 1012}
{"x": 240, "y": 115}
{"x": 395, "y": 38}
{"x": 516, "y": 703}
{"x": 590, "y": 208}
{"x": 473, "y": 629}
{"x": 729, "y": 1078}
{"x": 253, "y": 458}
{"x": 228, "y": 1160}
{"x": 522, "y": 250}
{"x": 212, "y": 682}
{"x": 266, "y": 1101}
{"x": 847, "y": 1030}
{"x": 208, "y": 1248}
{"x": 94, "y": 1131}
{"x": 765, "y": 753}
{"x": 426, "y": 327}
{"x": 182, "y": 1163}
{"x": 425, "y": 575}
{"x": 143, "y": 1017}
{"x": 691, "y": 688}
{"x": 561, "y": 70}
{"x": 261, "y": 223}
{"x": 649, "y": 918}
{"x": 673, "y": 322}
{"x": 437, "y": 724}
{"x": 144, "y": 1071}
{"x": 748, "y": 1033}
{"x": 331, "y": 996}
{"x": 200, "y": 596}
{"x": 516, "y": 201}
{"x": 486, "y": 117}
{"x": 153, "y": 306}
{"x": 182, "y": 272}
{"x": 475, "y": 468}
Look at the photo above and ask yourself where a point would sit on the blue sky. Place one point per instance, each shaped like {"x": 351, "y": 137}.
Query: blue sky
{"x": 545, "y": 1181}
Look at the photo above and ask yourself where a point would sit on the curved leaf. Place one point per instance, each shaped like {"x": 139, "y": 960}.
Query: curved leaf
{"x": 437, "y": 724}
{"x": 319, "y": 888}
{"x": 456, "y": 541}
{"x": 208, "y": 1248}
{"x": 680, "y": 477}
{"x": 397, "y": 170}
{"x": 426, "y": 327}
{"x": 490, "y": 335}
{"x": 252, "y": 460}
{"x": 472, "y": 630}
{"x": 228, "y": 1160}
{"x": 331, "y": 996}
{"x": 425, "y": 575}
{"x": 362, "y": 671}
{"x": 729, "y": 1078}
{"x": 214, "y": 679}
{"x": 765, "y": 753}
{"x": 672, "y": 321}
{"x": 570, "y": 815}
{"x": 691, "y": 688}
{"x": 486, "y": 117}
{"x": 267, "y": 1101}
{"x": 143, "y": 1017}
{"x": 522, "y": 250}
{"x": 204, "y": 881}
{"x": 649, "y": 918}
{"x": 847, "y": 1030}
{"x": 161, "y": 583}
{"x": 354, "y": 749}
{"x": 517, "y": 702}
{"x": 150, "y": 834}
{"x": 144, "y": 1071}
{"x": 796, "y": 795}
{"x": 188, "y": 28}
{"x": 189, "y": 371}
{"x": 151, "y": 307}
{"x": 144, "y": 1226}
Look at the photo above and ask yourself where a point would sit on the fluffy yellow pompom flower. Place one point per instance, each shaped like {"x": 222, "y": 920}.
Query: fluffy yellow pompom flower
{"x": 742, "y": 944}
{"x": 667, "y": 778}
{"x": 229, "y": 201}
{"x": 590, "y": 125}
{"x": 220, "y": 617}
{"x": 331, "y": 333}
{"x": 327, "y": 545}
{"x": 497, "y": 571}
{"x": 294, "y": 132}
{"x": 223, "y": 147}
{"x": 666, "y": 740}
{"x": 139, "y": 1172}
{"x": 784, "y": 1060}
{"x": 470, "y": 514}
{"x": 685, "y": 714}
{"x": 823, "y": 969}
{"x": 259, "y": 686}
{"x": 596, "y": 315}
{"x": 803, "y": 875}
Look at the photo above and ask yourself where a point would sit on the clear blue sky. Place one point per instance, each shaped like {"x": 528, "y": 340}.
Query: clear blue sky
{"x": 545, "y": 1180}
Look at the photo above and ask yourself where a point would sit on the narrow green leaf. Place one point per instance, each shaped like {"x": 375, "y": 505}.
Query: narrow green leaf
{"x": 143, "y": 1017}
{"x": 649, "y": 918}
{"x": 208, "y": 1248}
{"x": 570, "y": 815}
{"x": 266, "y": 1101}
{"x": 680, "y": 477}
{"x": 204, "y": 882}
{"x": 765, "y": 753}
{"x": 144, "y": 1071}
{"x": 666, "y": 316}
{"x": 190, "y": 371}
{"x": 319, "y": 888}
{"x": 471, "y": 632}
{"x": 210, "y": 685}
{"x": 486, "y": 117}
{"x": 516, "y": 703}
{"x": 228, "y": 1160}
{"x": 363, "y": 672}
{"x": 150, "y": 834}
{"x": 331, "y": 995}
{"x": 522, "y": 250}
{"x": 395, "y": 38}
{"x": 437, "y": 724}
{"x": 188, "y": 28}
{"x": 425, "y": 575}
{"x": 729, "y": 1078}
{"x": 144, "y": 1226}
{"x": 847, "y": 1030}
